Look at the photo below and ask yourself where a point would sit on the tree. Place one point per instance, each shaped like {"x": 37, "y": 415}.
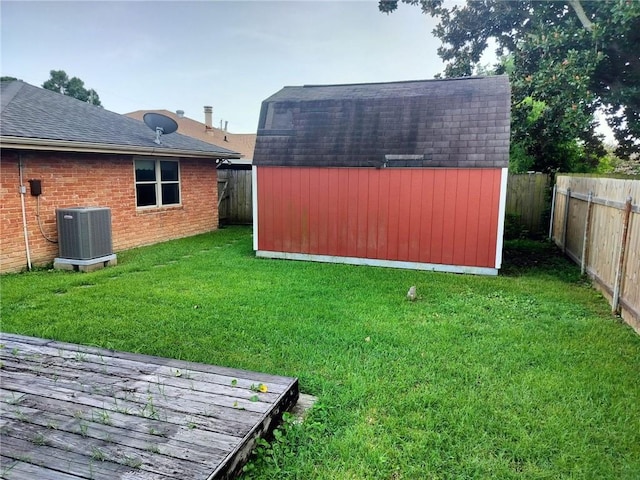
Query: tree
{"x": 60, "y": 82}
{"x": 573, "y": 56}
{"x": 8, "y": 79}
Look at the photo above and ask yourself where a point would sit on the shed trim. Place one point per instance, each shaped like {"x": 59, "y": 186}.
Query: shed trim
{"x": 254, "y": 201}
{"x": 374, "y": 262}
{"x": 501, "y": 213}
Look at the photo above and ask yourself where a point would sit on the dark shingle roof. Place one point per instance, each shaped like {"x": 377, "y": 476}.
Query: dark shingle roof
{"x": 432, "y": 123}
{"x": 30, "y": 112}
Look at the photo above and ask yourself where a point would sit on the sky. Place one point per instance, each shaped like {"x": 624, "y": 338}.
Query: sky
{"x": 232, "y": 55}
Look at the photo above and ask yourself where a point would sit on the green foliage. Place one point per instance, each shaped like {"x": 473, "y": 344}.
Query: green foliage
{"x": 520, "y": 376}
{"x": 519, "y": 160}
{"x": 272, "y": 455}
{"x": 607, "y": 163}
{"x": 575, "y": 57}
{"x": 610, "y": 163}
{"x": 60, "y": 82}
{"x": 513, "y": 227}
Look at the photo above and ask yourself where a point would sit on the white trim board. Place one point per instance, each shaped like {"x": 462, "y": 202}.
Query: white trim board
{"x": 501, "y": 214}
{"x": 374, "y": 262}
{"x": 254, "y": 201}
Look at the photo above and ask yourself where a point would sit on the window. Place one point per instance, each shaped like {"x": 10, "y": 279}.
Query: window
{"x": 157, "y": 182}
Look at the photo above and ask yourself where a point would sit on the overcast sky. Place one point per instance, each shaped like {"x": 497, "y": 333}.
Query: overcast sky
{"x": 229, "y": 54}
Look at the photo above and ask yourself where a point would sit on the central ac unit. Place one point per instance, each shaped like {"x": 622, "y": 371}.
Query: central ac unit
{"x": 84, "y": 233}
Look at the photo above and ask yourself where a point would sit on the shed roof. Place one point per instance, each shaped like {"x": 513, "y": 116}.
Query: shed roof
{"x": 461, "y": 122}
{"x": 37, "y": 118}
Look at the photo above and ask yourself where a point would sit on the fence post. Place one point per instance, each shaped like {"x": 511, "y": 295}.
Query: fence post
{"x": 566, "y": 221}
{"x": 585, "y": 239}
{"x": 615, "y": 303}
{"x": 553, "y": 210}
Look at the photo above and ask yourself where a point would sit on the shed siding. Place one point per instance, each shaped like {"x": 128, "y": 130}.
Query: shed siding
{"x": 443, "y": 216}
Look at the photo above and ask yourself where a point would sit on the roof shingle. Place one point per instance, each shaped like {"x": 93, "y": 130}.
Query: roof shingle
{"x": 29, "y": 112}
{"x": 430, "y": 123}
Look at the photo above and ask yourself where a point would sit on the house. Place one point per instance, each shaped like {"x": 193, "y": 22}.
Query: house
{"x": 404, "y": 174}
{"x": 243, "y": 143}
{"x": 234, "y": 177}
{"x": 84, "y": 155}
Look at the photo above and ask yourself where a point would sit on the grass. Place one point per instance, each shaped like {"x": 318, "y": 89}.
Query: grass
{"x": 525, "y": 375}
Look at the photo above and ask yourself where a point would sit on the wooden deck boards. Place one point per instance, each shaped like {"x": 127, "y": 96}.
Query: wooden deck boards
{"x": 76, "y": 412}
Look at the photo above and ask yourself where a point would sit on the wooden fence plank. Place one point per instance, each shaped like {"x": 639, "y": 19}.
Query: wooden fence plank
{"x": 235, "y": 200}
{"x": 605, "y": 260}
{"x": 528, "y": 199}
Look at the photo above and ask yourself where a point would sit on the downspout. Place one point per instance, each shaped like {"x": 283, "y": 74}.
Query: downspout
{"x": 23, "y": 192}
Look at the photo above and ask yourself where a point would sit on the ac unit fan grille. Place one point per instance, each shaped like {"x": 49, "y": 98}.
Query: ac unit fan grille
{"x": 84, "y": 233}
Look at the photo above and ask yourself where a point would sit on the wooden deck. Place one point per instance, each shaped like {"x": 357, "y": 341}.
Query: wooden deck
{"x": 75, "y": 412}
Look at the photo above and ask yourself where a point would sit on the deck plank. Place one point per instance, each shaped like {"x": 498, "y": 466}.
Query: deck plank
{"x": 20, "y": 470}
{"x": 70, "y": 411}
{"x": 7, "y": 338}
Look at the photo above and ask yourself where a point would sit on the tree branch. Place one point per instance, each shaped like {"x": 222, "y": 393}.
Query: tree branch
{"x": 582, "y": 16}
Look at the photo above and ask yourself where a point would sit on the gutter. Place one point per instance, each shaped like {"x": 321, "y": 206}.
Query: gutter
{"x": 22, "y": 143}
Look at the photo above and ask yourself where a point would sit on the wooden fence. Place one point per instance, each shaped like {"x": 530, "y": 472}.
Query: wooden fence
{"x": 596, "y": 222}
{"x": 234, "y": 196}
{"x": 528, "y": 200}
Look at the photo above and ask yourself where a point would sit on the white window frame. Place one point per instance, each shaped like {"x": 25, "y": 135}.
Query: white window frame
{"x": 158, "y": 182}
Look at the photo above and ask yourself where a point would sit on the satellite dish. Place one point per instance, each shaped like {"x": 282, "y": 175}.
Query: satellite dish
{"x": 161, "y": 124}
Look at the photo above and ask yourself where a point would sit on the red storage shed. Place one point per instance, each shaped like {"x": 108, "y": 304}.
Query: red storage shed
{"x": 405, "y": 174}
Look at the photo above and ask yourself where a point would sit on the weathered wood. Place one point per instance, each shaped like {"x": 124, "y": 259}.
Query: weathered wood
{"x": 21, "y": 470}
{"x": 69, "y": 411}
{"x": 232, "y": 422}
{"x": 80, "y": 415}
{"x": 178, "y": 445}
{"x": 165, "y": 388}
{"x": 67, "y": 350}
{"x": 615, "y": 301}
{"x": 72, "y": 463}
{"x": 604, "y": 237}
{"x": 527, "y": 199}
{"x": 109, "y": 450}
{"x": 235, "y": 199}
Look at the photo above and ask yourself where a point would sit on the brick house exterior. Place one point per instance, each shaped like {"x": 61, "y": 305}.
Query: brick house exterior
{"x": 86, "y": 156}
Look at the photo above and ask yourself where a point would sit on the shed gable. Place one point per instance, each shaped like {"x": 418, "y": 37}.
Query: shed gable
{"x": 436, "y": 123}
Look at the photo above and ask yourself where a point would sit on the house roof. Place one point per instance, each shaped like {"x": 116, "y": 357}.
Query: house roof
{"x": 461, "y": 122}
{"x": 240, "y": 142}
{"x": 36, "y": 118}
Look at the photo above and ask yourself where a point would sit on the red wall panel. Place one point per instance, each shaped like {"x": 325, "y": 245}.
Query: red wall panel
{"x": 442, "y": 216}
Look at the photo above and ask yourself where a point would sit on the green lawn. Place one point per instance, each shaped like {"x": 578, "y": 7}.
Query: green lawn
{"x": 525, "y": 375}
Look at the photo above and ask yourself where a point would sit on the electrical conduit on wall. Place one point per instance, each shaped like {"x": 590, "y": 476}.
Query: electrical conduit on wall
{"x": 23, "y": 191}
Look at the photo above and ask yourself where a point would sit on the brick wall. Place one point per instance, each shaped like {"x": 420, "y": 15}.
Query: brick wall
{"x": 73, "y": 180}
